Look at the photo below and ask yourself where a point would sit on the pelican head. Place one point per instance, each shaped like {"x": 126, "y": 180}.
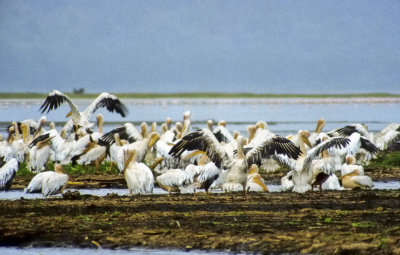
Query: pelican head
{"x": 350, "y": 160}
{"x": 262, "y": 124}
{"x": 210, "y": 124}
{"x": 253, "y": 169}
{"x": 304, "y": 137}
{"x": 144, "y": 130}
{"x": 222, "y": 123}
{"x": 168, "y": 122}
{"x": 58, "y": 168}
{"x": 320, "y": 125}
{"x": 154, "y": 137}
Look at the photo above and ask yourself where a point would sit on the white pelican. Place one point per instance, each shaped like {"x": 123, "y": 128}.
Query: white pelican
{"x": 63, "y": 149}
{"x": 35, "y": 185}
{"x": 93, "y": 154}
{"x": 354, "y": 180}
{"x": 40, "y": 153}
{"x": 172, "y": 180}
{"x": 205, "y": 140}
{"x": 55, "y": 98}
{"x": 202, "y": 175}
{"x": 35, "y": 127}
{"x": 314, "y": 136}
{"x": 254, "y": 180}
{"x": 56, "y": 182}
{"x": 7, "y": 173}
{"x": 350, "y": 165}
{"x": 337, "y": 146}
{"x": 138, "y": 176}
{"x": 381, "y": 140}
{"x": 99, "y": 133}
{"x": 126, "y": 132}
{"x": 331, "y": 183}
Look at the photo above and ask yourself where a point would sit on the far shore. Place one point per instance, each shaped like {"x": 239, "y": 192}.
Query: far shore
{"x": 4, "y": 95}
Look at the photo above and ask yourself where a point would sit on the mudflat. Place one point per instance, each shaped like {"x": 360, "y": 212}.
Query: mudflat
{"x": 341, "y": 222}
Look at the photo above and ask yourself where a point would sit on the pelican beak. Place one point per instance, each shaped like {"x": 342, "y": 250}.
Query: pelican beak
{"x": 69, "y": 114}
{"x": 153, "y": 140}
{"x": 194, "y": 153}
{"x": 24, "y": 135}
{"x": 75, "y": 183}
{"x": 306, "y": 141}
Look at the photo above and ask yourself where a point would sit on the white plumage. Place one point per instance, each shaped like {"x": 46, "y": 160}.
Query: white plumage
{"x": 35, "y": 185}
{"x": 7, "y": 173}
{"x": 138, "y": 176}
{"x": 172, "y": 180}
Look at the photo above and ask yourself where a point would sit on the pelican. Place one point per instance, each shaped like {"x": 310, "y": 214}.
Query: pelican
{"x": 337, "y": 146}
{"x": 138, "y": 176}
{"x": 126, "y": 132}
{"x": 63, "y": 149}
{"x": 81, "y": 119}
{"x": 350, "y": 165}
{"x": 56, "y": 182}
{"x": 237, "y": 166}
{"x": 202, "y": 175}
{"x": 254, "y": 180}
{"x": 172, "y": 180}
{"x": 7, "y": 173}
{"x": 99, "y": 133}
{"x": 381, "y": 140}
{"x": 40, "y": 153}
{"x": 354, "y": 179}
{"x": 93, "y": 153}
{"x": 315, "y": 135}
{"x": 35, "y": 127}
{"x": 331, "y": 183}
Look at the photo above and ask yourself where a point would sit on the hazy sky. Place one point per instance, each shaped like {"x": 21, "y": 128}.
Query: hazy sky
{"x": 320, "y": 46}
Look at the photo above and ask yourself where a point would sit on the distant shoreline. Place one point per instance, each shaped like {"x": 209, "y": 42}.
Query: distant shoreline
{"x": 4, "y": 95}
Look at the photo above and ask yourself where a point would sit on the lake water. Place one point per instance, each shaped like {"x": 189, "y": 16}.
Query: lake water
{"x": 283, "y": 115}
{"x": 18, "y": 194}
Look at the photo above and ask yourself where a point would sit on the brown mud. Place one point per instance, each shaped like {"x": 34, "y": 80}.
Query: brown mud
{"x": 329, "y": 222}
{"x": 341, "y": 222}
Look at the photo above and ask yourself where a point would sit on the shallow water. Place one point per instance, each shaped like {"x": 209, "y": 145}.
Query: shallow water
{"x": 284, "y": 116}
{"x": 18, "y": 194}
{"x": 76, "y": 251}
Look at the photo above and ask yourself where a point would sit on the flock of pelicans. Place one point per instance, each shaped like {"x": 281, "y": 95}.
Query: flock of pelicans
{"x": 185, "y": 161}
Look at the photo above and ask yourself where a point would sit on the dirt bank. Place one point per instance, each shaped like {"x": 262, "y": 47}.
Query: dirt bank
{"x": 344, "y": 222}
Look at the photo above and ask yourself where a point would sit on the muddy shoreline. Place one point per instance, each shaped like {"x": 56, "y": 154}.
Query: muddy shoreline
{"x": 342, "y": 222}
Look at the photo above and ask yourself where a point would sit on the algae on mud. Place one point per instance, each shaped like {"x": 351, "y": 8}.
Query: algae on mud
{"x": 316, "y": 222}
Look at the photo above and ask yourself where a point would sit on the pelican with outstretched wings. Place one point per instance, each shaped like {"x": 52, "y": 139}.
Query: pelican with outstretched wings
{"x": 237, "y": 164}
{"x": 105, "y": 100}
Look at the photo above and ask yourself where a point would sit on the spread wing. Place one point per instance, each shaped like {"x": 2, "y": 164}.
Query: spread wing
{"x": 127, "y": 132}
{"x": 108, "y": 101}
{"x": 203, "y": 140}
{"x": 271, "y": 147}
{"x": 54, "y": 100}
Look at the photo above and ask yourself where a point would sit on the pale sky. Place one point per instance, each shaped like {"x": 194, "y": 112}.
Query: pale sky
{"x": 157, "y": 46}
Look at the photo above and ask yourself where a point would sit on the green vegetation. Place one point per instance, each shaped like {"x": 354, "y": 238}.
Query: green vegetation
{"x": 71, "y": 170}
{"x": 195, "y": 95}
{"x": 386, "y": 160}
